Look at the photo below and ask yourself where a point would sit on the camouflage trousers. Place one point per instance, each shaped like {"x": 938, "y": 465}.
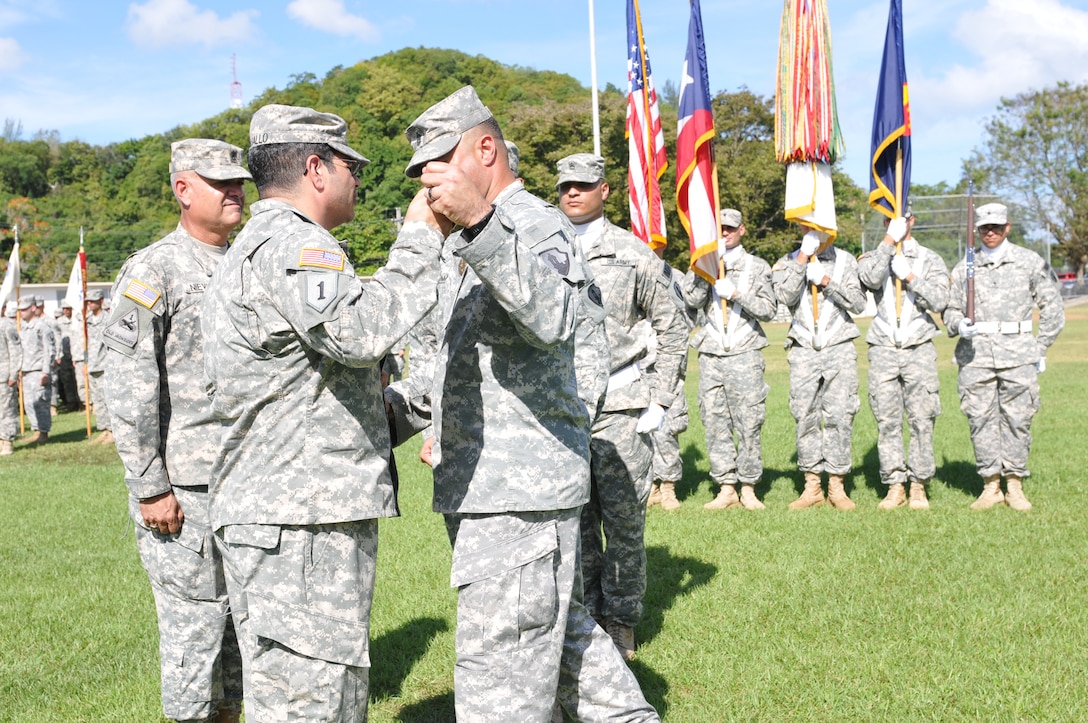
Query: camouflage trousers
{"x": 201, "y": 668}
{"x": 733, "y": 406}
{"x": 9, "y": 411}
{"x": 904, "y": 381}
{"x": 64, "y": 384}
{"x": 524, "y": 638}
{"x": 301, "y": 597}
{"x": 98, "y": 399}
{"x": 36, "y": 399}
{"x": 614, "y": 519}
{"x": 999, "y": 405}
{"x": 824, "y": 400}
{"x": 667, "y": 465}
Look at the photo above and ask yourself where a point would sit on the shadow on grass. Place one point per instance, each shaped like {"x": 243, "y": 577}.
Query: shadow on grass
{"x": 399, "y": 650}
{"x": 436, "y": 709}
{"x": 691, "y": 478}
{"x": 667, "y": 578}
{"x": 960, "y": 475}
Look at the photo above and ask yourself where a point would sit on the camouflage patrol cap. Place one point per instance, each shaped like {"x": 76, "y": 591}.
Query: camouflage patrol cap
{"x": 39, "y": 300}
{"x": 438, "y": 130}
{"x": 580, "y": 168}
{"x": 95, "y": 294}
{"x": 10, "y": 311}
{"x": 26, "y": 302}
{"x": 210, "y": 159}
{"x": 730, "y": 217}
{"x": 991, "y": 214}
{"x": 513, "y": 156}
{"x": 276, "y": 123}
{"x": 65, "y": 304}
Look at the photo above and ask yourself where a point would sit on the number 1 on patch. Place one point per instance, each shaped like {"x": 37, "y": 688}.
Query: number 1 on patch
{"x": 321, "y": 288}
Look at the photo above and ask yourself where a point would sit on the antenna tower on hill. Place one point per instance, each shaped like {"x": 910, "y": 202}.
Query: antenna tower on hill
{"x": 235, "y": 86}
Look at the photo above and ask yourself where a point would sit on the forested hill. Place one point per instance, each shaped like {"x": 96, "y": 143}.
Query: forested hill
{"x": 120, "y": 193}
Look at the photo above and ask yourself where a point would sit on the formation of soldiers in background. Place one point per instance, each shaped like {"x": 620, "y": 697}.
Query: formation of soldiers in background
{"x": 566, "y": 329}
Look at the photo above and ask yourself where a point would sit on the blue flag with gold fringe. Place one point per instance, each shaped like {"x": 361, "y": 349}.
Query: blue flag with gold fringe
{"x": 890, "y": 180}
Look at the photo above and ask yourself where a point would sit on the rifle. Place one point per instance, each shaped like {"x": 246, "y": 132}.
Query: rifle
{"x": 970, "y": 261}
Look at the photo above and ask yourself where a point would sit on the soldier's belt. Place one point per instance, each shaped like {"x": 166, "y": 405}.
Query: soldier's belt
{"x": 1004, "y": 327}
{"x": 622, "y": 377}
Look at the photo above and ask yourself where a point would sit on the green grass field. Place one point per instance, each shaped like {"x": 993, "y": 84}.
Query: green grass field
{"x": 814, "y": 615}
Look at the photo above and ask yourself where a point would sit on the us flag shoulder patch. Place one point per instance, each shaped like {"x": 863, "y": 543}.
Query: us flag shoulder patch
{"x": 321, "y": 259}
{"x": 141, "y": 293}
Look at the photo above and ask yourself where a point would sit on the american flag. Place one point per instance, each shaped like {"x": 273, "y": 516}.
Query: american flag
{"x": 141, "y": 293}
{"x": 696, "y": 174}
{"x": 645, "y": 139}
{"x": 322, "y": 259}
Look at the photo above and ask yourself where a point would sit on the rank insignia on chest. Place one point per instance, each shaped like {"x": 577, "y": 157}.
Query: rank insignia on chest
{"x": 321, "y": 259}
{"x": 141, "y": 293}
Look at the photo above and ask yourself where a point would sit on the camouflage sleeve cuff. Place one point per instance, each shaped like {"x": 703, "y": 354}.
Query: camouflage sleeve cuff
{"x": 145, "y": 488}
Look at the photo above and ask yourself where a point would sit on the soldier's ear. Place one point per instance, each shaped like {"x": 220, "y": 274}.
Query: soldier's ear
{"x": 605, "y": 190}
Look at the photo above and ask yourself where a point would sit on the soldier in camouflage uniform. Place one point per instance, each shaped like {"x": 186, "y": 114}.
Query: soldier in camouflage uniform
{"x": 823, "y": 363}
{"x": 96, "y": 365}
{"x": 999, "y": 359}
{"x": 637, "y": 286}
{"x": 511, "y": 450}
{"x": 167, "y": 436}
{"x": 36, "y": 336}
{"x": 11, "y": 363}
{"x": 732, "y": 392}
{"x": 293, "y": 340}
{"x": 903, "y": 359}
{"x": 64, "y": 381}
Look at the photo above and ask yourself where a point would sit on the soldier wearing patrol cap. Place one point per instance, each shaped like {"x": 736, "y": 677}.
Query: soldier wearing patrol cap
{"x": 999, "y": 358}
{"x": 293, "y": 342}
{"x": 637, "y": 286}
{"x": 96, "y": 365}
{"x": 36, "y": 337}
{"x": 11, "y": 362}
{"x": 902, "y": 358}
{"x": 732, "y": 392}
{"x": 511, "y": 421}
{"x": 166, "y": 434}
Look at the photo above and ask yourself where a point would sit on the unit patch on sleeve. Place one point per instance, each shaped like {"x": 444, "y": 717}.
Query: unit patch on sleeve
{"x": 126, "y": 330}
{"x": 321, "y": 288}
{"x": 321, "y": 259}
{"x": 142, "y": 294}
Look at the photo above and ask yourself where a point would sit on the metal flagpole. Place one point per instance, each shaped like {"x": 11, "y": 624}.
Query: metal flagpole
{"x": 593, "y": 82}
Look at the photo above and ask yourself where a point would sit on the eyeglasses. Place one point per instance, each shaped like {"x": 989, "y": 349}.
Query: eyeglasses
{"x": 355, "y": 167}
{"x": 995, "y": 228}
{"x": 729, "y": 229}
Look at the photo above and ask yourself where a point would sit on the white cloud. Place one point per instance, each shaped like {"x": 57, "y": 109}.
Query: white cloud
{"x": 332, "y": 17}
{"x": 11, "y": 55}
{"x": 1019, "y": 46}
{"x": 165, "y": 23}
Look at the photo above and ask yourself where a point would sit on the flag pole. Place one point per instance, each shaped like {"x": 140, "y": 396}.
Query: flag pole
{"x": 593, "y": 83}
{"x": 18, "y": 328}
{"x": 899, "y": 213}
{"x": 82, "y": 259}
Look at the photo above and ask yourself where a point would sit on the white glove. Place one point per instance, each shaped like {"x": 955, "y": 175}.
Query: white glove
{"x": 725, "y": 288}
{"x": 814, "y": 272}
{"x": 810, "y": 244}
{"x": 897, "y": 229}
{"x": 651, "y": 419}
{"x": 1040, "y": 366}
{"x": 967, "y": 328}
{"x": 900, "y": 266}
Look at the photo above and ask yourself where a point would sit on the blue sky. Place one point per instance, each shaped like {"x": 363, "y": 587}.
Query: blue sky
{"x": 107, "y": 71}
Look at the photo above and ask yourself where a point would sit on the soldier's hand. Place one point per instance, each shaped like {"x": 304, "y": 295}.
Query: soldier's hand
{"x": 814, "y": 272}
{"x": 651, "y": 419}
{"x": 900, "y": 266}
{"x": 967, "y": 328}
{"x": 897, "y": 229}
{"x": 426, "y": 453}
{"x": 1040, "y": 366}
{"x": 45, "y": 380}
{"x": 420, "y": 210}
{"x": 725, "y": 289}
{"x": 810, "y": 244}
{"x": 453, "y": 194}
{"x": 162, "y": 513}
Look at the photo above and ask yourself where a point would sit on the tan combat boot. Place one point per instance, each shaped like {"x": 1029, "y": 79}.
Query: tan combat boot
{"x": 6, "y": 447}
{"x": 896, "y": 497}
{"x": 668, "y": 496}
{"x": 812, "y": 495}
{"x": 38, "y": 438}
{"x": 991, "y": 494}
{"x": 727, "y": 497}
{"x": 106, "y": 437}
{"x": 748, "y": 498}
{"x": 655, "y": 495}
{"x": 836, "y": 493}
{"x": 1014, "y": 497}
{"x": 623, "y": 637}
{"x": 918, "y": 500}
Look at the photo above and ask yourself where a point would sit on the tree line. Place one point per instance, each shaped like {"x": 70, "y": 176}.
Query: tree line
{"x": 120, "y": 193}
